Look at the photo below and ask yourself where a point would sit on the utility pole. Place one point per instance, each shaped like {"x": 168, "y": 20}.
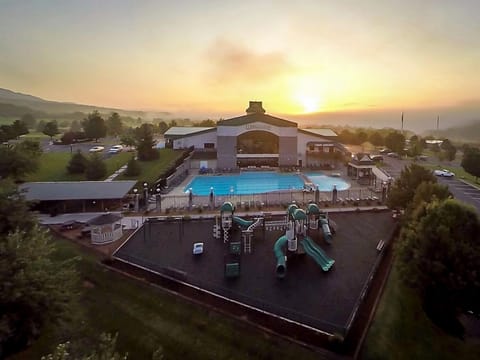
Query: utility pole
{"x": 402, "y": 122}
{"x": 438, "y": 122}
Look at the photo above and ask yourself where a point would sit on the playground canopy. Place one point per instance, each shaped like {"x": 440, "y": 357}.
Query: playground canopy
{"x": 227, "y": 207}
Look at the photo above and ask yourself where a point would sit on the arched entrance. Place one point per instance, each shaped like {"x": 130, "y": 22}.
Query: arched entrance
{"x": 257, "y": 148}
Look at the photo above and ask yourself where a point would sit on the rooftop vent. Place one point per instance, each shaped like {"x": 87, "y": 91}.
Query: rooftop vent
{"x": 255, "y": 107}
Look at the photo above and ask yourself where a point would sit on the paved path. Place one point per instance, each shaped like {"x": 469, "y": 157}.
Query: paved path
{"x": 116, "y": 173}
{"x": 463, "y": 191}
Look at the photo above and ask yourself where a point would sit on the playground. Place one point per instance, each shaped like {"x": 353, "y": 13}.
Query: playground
{"x": 305, "y": 265}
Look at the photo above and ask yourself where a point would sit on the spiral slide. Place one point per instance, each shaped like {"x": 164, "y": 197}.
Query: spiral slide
{"x": 317, "y": 254}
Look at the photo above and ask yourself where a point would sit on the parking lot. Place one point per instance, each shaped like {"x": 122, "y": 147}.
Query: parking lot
{"x": 463, "y": 191}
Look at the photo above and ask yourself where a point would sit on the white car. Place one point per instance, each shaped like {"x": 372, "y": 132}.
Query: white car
{"x": 115, "y": 149}
{"x": 198, "y": 248}
{"x": 96, "y": 149}
{"x": 444, "y": 173}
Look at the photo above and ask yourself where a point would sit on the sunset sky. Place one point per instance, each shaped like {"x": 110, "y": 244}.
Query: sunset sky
{"x": 203, "y": 56}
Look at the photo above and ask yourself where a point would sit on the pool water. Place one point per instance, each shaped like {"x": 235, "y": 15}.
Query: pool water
{"x": 244, "y": 183}
{"x": 260, "y": 182}
{"x": 326, "y": 183}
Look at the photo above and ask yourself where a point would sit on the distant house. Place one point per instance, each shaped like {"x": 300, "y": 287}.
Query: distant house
{"x": 76, "y": 196}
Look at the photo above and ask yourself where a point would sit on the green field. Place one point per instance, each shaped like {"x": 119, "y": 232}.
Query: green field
{"x": 53, "y": 167}
{"x": 146, "y": 317}
{"x": 152, "y": 170}
{"x": 401, "y": 330}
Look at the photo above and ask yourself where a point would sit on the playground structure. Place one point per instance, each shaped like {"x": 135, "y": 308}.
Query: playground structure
{"x": 299, "y": 225}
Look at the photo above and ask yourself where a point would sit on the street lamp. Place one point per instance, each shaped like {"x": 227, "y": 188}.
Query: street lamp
{"x": 159, "y": 199}
{"x": 211, "y": 199}
{"x": 135, "y": 191}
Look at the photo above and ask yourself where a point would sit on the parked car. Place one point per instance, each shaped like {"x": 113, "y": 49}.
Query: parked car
{"x": 393, "y": 155}
{"x": 96, "y": 149}
{"x": 385, "y": 151}
{"x": 444, "y": 173}
{"x": 376, "y": 157}
{"x": 198, "y": 248}
{"x": 423, "y": 157}
{"x": 115, "y": 149}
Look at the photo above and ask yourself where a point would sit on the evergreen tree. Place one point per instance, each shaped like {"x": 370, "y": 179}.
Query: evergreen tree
{"x": 145, "y": 143}
{"x": 77, "y": 164}
{"x": 96, "y": 168}
{"x": 133, "y": 167}
{"x": 471, "y": 162}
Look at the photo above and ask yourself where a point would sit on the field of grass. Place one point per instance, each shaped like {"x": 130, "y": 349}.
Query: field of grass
{"x": 151, "y": 170}
{"x": 401, "y": 330}
{"x": 146, "y": 318}
{"x": 53, "y": 167}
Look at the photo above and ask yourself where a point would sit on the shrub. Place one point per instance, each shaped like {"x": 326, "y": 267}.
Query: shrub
{"x": 77, "y": 164}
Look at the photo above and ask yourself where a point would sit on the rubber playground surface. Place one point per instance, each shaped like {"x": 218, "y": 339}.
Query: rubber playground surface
{"x": 323, "y": 300}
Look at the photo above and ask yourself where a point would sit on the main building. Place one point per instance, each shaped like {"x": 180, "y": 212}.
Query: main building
{"x": 257, "y": 139}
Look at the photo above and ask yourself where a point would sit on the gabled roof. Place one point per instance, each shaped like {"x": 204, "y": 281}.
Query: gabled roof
{"x": 76, "y": 190}
{"x": 320, "y": 132}
{"x": 104, "y": 219}
{"x": 257, "y": 117}
{"x": 176, "y": 132}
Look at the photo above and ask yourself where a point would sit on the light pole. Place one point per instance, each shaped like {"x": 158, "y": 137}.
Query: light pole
{"x": 190, "y": 198}
{"x": 212, "y": 201}
{"x": 135, "y": 191}
{"x": 145, "y": 190}
{"x": 159, "y": 200}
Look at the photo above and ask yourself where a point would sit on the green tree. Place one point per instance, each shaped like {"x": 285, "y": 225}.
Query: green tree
{"x": 94, "y": 126}
{"x": 13, "y": 210}
{"x": 145, "y": 143}
{"x": 133, "y": 167}
{"x": 34, "y": 290}
{"x": 471, "y": 162}
{"x": 29, "y": 120}
{"x": 114, "y": 124}
{"x": 77, "y": 164}
{"x": 439, "y": 256}
{"x": 41, "y": 126}
{"x": 361, "y": 136}
{"x": 18, "y": 160}
{"x": 162, "y": 127}
{"x": 206, "y": 123}
{"x": 75, "y": 126}
{"x": 403, "y": 190}
{"x": 19, "y": 128}
{"x": 395, "y": 141}
{"x": 51, "y": 129}
{"x": 96, "y": 168}
{"x": 7, "y": 133}
{"x": 449, "y": 150}
{"x": 376, "y": 139}
{"x": 428, "y": 192}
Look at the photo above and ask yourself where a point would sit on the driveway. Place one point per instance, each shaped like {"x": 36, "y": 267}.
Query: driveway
{"x": 463, "y": 191}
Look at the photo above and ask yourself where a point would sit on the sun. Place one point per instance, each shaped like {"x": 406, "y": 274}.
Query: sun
{"x": 309, "y": 104}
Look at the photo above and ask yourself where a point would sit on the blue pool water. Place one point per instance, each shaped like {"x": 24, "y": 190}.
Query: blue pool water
{"x": 244, "y": 183}
{"x": 260, "y": 182}
{"x": 325, "y": 183}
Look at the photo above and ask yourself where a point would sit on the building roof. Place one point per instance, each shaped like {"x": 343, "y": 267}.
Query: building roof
{"x": 76, "y": 190}
{"x": 104, "y": 219}
{"x": 176, "y": 132}
{"x": 321, "y": 132}
{"x": 257, "y": 117}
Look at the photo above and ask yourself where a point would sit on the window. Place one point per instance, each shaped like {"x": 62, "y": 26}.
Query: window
{"x": 209, "y": 146}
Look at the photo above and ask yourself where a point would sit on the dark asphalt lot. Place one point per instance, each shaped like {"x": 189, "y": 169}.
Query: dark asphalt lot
{"x": 307, "y": 294}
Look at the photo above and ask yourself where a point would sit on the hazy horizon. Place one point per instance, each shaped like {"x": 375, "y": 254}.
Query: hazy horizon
{"x": 308, "y": 60}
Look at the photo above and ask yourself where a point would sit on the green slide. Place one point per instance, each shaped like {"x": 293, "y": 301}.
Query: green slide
{"x": 242, "y": 222}
{"x": 317, "y": 254}
{"x": 281, "y": 268}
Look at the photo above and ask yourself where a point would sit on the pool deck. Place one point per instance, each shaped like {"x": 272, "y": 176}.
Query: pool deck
{"x": 307, "y": 294}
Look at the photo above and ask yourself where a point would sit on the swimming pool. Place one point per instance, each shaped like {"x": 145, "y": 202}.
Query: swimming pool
{"x": 325, "y": 182}
{"x": 244, "y": 183}
{"x": 260, "y": 182}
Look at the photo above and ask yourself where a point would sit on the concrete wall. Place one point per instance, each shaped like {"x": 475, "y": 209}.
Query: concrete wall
{"x": 226, "y": 152}
{"x": 287, "y": 151}
{"x": 197, "y": 141}
{"x": 195, "y": 164}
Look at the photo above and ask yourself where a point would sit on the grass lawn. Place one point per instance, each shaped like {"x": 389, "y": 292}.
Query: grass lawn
{"x": 401, "y": 330}
{"x": 53, "y": 167}
{"x": 146, "y": 318}
{"x": 151, "y": 170}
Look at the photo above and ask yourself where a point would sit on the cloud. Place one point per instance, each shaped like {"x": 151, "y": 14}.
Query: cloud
{"x": 232, "y": 62}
